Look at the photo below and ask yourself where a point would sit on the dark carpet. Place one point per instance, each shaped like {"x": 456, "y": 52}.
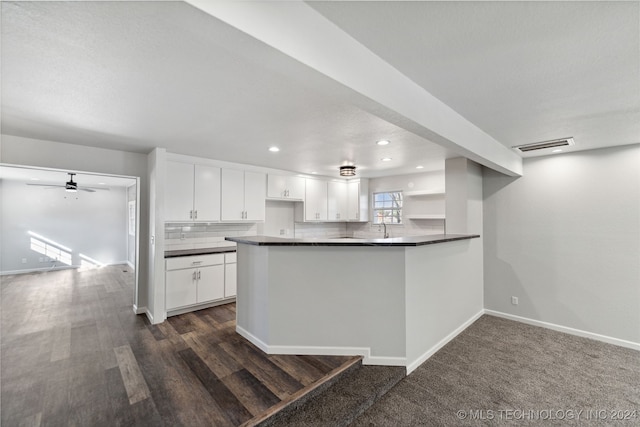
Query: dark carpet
{"x": 501, "y": 372}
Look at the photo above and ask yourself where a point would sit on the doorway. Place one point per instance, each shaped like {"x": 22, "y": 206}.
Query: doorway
{"x": 54, "y": 219}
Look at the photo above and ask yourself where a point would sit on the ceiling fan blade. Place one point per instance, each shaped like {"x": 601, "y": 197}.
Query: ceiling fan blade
{"x": 46, "y": 185}
{"x": 95, "y": 188}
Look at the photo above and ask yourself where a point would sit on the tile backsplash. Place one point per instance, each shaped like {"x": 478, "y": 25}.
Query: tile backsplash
{"x": 205, "y": 235}
{"x": 408, "y": 228}
{"x": 307, "y": 230}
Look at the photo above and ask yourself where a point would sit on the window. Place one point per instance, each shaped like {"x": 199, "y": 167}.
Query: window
{"x": 387, "y": 207}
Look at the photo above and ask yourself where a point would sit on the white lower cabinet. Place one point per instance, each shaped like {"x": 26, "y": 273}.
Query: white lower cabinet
{"x": 181, "y": 288}
{"x": 230, "y": 280}
{"x": 210, "y": 283}
{"x": 230, "y": 274}
{"x": 192, "y": 280}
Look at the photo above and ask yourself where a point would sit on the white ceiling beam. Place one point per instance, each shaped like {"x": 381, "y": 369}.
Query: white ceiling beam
{"x": 303, "y": 34}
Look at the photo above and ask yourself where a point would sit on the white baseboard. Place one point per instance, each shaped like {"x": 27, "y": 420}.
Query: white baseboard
{"x": 145, "y": 311}
{"x": 365, "y": 352}
{"x": 56, "y": 268}
{"x": 37, "y": 270}
{"x": 149, "y": 316}
{"x": 130, "y": 264}
{"x": 426, "y": 355}
{"x": 252, "y": 338}
{"x": 194, "y": 307}
{"x": 567, "y": 330}
{"x": 139, "y": 310}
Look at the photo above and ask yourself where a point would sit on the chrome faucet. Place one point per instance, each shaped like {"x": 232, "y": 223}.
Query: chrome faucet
{"x": 386, "y": 235}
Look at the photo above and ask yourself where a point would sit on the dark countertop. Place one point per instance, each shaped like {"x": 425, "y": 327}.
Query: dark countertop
{"x": 392, "y": 241}
{"x": 203, "y": 251}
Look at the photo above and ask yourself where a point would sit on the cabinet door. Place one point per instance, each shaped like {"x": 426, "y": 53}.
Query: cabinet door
{"x": 337, "y": 201}
{"x": 230, "y": 280}
{"x": 180, "y": 288}
{"x": 295, "y": 187}
{"x": 353, "y": 201}
{"x": 315, "y": 200}
{"x": 255, "y": 193}
{"x": 178, "y": 203}
{"x": 206, "y": 203}
{"x": 210, "y": 283}
{"x": 285, "y": 187}
{"x": 232, "y": 195}
{"x": 276, "y": 186}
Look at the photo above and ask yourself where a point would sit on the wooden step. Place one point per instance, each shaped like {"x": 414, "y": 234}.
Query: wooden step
{"x": 301, "y": 397}
{"x": 343, "y": 401}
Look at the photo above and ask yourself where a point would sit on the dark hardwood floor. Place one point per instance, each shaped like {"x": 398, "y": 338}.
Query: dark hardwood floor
{"x": 73, "y": 353}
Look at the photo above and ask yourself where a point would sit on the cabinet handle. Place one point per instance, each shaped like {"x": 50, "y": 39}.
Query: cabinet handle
{"x": 195, "y": 214}
{"x": 196, "y": 262}
{"x": 199, "y": 275}
{"x": 190, "y": 214}
{"x": 193, "y": 276}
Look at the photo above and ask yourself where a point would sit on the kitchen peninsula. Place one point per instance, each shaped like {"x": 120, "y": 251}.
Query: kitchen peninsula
{"x": 394, "y": 301}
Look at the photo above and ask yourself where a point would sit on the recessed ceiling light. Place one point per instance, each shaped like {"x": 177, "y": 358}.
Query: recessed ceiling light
{"x": 557, "y": 150}
{"x": 314, "y": 172}
{"x": 102, "y": 183}
{"x": 274, "y": 149}
{"x": 35, "y": 179}
{"x": 386, "y": 159}
{"x": 383, "y": 142}
{"x": 419, "y": 167}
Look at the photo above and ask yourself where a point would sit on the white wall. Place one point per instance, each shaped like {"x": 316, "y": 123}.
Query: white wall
{"x": 565, "y": 240}
{"x": 93, "y": 224}
{"x": 49, "y": 154}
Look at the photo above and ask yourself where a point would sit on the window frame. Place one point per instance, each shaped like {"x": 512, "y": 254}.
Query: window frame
{"x": 375, "y": 210}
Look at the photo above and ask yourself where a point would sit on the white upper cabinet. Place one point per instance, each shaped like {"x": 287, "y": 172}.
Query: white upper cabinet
{"x": 192, "y": 192}
{"x": 206, "y": 200}
{"x": 285, "y": 187}
{"x": 243, "y": 195}
{"x": 337, "y": 201}
{"x": 315, "y": 200}
{"x": 255, "y": 189}
{"x": 232, "y": 194}
{"x": 358, "y": 200}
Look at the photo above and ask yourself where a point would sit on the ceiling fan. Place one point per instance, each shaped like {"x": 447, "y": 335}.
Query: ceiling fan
{"x": 70, "y": 186}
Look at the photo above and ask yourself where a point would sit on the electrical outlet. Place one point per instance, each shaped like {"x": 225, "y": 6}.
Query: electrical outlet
{"x": 514, "y": 300}
{"x": 282, "y": 232}
{"x": 24, "y": 260}
{"x": 182, "y": 236}
{"x": 40, "y": 259}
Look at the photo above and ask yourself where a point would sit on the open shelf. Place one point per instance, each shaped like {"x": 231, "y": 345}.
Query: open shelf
{"x": 425, "y": 216}
{"x": 436, "y": 192}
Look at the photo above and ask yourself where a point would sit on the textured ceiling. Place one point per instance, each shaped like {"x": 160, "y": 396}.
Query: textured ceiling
{"x": 522, "y": 71}
{"x": 136, "y": 75}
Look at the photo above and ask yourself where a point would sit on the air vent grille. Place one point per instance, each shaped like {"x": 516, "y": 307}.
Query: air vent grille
{"x": 544, "y": 145}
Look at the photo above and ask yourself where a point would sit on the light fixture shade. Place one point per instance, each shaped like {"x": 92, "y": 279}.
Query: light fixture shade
{"x": 347, "y": 170}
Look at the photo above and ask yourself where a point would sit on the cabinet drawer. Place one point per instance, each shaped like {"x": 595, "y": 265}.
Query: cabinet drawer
{"x": 193, "y": 261}
{"x": 230, "y": 257}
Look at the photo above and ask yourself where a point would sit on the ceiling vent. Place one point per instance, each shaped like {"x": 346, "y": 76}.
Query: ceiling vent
{"x": 545, "y": 145}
